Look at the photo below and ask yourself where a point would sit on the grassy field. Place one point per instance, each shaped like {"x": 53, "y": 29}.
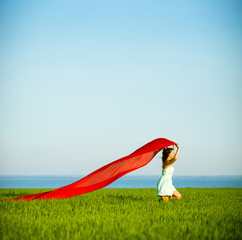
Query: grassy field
{"x": 124, "y": 214}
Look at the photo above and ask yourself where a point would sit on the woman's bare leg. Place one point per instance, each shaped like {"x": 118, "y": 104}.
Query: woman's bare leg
{"x": 176, "y": 196}
{"x": 164, "y": 198}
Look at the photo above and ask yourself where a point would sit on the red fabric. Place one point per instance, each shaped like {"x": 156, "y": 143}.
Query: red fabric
{"x": 106, "y": 174}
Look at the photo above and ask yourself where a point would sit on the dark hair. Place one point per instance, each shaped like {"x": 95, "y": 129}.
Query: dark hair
{"x": 165, "y": 153}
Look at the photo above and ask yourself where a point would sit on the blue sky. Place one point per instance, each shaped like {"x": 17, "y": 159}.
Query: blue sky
{"x": 84, "y": 83}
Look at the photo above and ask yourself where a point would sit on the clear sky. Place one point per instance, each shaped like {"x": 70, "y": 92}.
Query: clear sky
{"x": 84, "y": 83}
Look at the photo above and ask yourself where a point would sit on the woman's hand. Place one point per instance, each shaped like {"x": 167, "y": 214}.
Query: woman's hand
{"x": 177, "y": 145}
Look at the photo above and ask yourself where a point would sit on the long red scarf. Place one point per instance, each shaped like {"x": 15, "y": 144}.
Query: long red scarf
{"x": 106, "y": 174}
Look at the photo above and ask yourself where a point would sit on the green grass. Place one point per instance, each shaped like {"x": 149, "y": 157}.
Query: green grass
{"x": 124, "y": 214}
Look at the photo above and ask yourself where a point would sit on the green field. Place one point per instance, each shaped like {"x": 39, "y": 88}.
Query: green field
{"x": 124, "y": 214}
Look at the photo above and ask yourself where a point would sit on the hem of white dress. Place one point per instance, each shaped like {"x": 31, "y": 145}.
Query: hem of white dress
{"x": 167, "y": 195}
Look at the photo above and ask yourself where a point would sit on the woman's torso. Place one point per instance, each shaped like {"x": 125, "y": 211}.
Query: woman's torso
{"x": 166, "y": 166}
{"x": 167, "y": 171}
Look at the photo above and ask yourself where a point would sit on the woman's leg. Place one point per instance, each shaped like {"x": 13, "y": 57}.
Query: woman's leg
{"x": 164, "y": 198}
{"x": 176, "y": 195}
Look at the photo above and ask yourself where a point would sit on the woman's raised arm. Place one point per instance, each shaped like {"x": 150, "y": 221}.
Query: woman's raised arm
{"x": 176, "y": 154}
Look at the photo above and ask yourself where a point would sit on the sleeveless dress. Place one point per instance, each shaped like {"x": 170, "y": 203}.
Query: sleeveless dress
{"x": 164, "y": 185}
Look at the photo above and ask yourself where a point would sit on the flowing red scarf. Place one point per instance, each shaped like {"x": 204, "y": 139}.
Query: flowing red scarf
{"x": 106, "y": 174}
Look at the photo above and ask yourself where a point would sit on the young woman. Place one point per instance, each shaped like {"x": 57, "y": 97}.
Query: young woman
{"x": 165, "y": 189}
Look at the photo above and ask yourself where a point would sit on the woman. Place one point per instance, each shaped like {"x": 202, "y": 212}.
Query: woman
{"x": 165, "y": 189}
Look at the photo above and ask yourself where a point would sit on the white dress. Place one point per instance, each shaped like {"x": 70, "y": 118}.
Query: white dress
{"x": 164, "y": 185}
